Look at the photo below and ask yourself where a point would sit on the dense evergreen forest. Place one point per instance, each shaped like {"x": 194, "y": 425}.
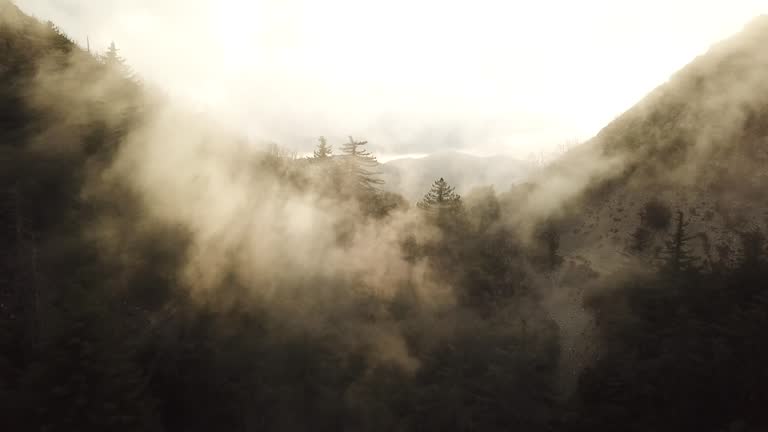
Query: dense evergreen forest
{"x": 158, "y": 273}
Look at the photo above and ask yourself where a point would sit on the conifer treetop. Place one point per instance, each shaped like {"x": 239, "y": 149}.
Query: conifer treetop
{"x": 441, "y": 195}
{"x": 323, "y": 150}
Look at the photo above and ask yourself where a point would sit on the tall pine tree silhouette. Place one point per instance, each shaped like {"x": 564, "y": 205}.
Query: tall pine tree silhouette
{"x": 359, "y": 165}
{"x": 442, "y": 205}
{"x": 678, "y": 256}
{"x": 323, "y": 150}
{"x": 115, "y": 62}
{"x": 440, "y": 197}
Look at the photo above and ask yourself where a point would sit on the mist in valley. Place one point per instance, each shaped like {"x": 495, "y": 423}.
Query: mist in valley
{"x": 207, "y": 239}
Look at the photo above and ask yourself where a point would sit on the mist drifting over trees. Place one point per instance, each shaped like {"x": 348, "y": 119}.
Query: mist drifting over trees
{"x": 161, "y": 272}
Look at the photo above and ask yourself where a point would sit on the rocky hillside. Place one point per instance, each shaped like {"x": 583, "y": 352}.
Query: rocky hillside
{"x": 698, "y": 144}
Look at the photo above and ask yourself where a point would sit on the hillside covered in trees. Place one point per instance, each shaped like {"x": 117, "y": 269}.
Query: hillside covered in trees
{"x": 161, "y": 273}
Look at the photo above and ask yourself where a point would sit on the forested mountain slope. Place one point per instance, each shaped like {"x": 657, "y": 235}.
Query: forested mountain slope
{"x": 158, "y": 273}
{"x": 697, "y": 144}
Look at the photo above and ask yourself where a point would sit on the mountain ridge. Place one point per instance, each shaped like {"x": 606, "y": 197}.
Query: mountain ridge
{"x": 156, "y": 276}
{"x": 412, "y": 177}
{"x": 698, "y": 143}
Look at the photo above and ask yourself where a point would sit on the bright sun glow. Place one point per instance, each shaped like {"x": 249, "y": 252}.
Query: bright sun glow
{"x": 235, "y": 26}
{"x": 506, "y": 76}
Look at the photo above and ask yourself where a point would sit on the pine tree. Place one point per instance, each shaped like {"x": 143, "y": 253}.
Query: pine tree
{"x": 443, "y": 205}
{"x": 678, "y": 253}
{"x": 60, "y": 41}
{"x": 358, "y": 165}
{"x": 549, "y": 235}
{"x": 323, "y": 150}
{"x": 640, "y": 239}
{"x": 114, "y": 61}
{"x": 440, "y": 196}
{"x": 752, "y": 248}
{"x": 112, "y": 56}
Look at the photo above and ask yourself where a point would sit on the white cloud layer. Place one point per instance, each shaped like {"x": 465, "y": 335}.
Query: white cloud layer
{"x": 411, "y": 76}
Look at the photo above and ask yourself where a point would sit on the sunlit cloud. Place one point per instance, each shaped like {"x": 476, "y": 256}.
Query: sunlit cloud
{"x": 511, "y": 77}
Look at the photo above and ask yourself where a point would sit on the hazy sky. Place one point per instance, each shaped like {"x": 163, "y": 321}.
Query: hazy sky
{"x": 411, "y": 76}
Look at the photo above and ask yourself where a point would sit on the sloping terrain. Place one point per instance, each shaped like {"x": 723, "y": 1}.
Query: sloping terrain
{"x": 157, "y": 275}
{"x": 697, "y": 144}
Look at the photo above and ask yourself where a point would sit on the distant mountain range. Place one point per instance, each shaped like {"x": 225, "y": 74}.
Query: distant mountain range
{"x": 412, "y": 177}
